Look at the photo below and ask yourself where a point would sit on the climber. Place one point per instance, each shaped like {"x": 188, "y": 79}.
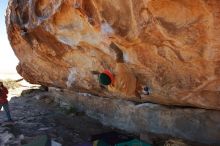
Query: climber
{"x": 120, "y": 80}
{"x": 106, "y": 78}
{"x": 4, "y": 102}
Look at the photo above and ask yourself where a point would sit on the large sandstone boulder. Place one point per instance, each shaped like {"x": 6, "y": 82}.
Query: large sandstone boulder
{"x": 170, "y": 46}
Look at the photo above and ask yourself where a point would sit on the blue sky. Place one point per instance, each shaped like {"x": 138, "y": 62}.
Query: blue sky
{"x": 8, "y": 60}
{"x": 3, "y": 6}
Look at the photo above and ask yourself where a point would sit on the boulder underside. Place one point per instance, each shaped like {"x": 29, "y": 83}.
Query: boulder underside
{"x": 171, "y": 47}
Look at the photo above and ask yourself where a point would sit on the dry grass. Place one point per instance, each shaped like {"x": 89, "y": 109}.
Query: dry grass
{"x": 175, "y": 143}
{"x": 11, "y": 84}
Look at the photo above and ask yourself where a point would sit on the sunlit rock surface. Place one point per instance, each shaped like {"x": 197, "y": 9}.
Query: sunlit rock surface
{"x": 172, "y": 47}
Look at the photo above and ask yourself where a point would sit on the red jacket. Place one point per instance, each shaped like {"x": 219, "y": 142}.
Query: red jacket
{"x": 3, "y": 95}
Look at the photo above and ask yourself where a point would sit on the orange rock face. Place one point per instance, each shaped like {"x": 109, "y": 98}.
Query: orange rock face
{"x": 171, "y": 47}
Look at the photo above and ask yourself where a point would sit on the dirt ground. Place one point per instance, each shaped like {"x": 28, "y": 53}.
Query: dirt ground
{"x": 35, "y": 114}
{"x": 34, "y": 117}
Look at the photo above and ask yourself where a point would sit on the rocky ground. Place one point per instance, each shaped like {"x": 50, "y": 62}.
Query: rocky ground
{"x": 36, "y": 114}
{"x": 34, "y": 117}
